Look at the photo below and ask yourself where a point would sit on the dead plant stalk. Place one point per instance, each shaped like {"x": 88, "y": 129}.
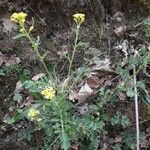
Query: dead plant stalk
{"x": 136, "y": 109}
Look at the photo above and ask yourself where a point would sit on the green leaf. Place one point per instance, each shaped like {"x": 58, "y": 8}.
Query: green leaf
{"x": 25, "y": 134}
{"x": 9, "y": 121}
{"x": 147, "y": 21}
{"x": 28, "y": 84}
{"x": 18, "y": 36}
{"x": 115, "y": 120}
{"x": 124, "y": 121}
{"x": 130, "y": 93}
{"x": 15, "y": 118}
{"x": 50, "y": 67}
{"x": 141, "y": 85}
{"x": 2, "y": 72}
{"x": 65, "y": 141}
{"x": 25, "y": 75}
{"x": 82, "y": 44}
{"x": 54, "y": 120}
{"x": 73, "y": 30}
{"x": 116, "y": 147}
{"x": 147, "y": 101}
{"x": 147, "y": 32}
{"x": 17, "y": 97}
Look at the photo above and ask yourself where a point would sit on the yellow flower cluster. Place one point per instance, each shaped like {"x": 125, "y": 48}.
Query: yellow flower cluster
{"x": 79, "y": 18}
{"x": 48, "y": 93}
{"x": 19, "y": 17}
{"x": 33, "y": 114}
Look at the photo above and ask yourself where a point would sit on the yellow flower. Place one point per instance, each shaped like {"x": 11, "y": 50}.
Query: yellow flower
{"x": 79, "y": 18}
{"x": 18, "y": 17}
{"x": 48, "y": 93}
{"x": 33, "y": 114}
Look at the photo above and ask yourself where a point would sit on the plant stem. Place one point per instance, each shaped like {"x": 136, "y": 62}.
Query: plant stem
{"x": 74, "y": 50}
{"x": 136, "y": 110}
{"x": 63, "y": 131}
{"x": 35, "y": 47}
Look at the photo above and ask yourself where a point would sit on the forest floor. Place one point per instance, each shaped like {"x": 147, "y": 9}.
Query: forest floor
{"x": 108, "y": 45}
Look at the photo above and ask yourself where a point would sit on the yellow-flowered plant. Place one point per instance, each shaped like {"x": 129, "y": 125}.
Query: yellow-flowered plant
{"x": 19, "y": 18}
{"x": 48, "y": 93}
{"x": 33, "y": 114}
{"x": 79, "y": 18}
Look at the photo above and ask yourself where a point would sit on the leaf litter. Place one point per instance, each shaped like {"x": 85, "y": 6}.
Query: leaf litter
{"x": 8, "y": 61}
{"x": 8, "y": 25}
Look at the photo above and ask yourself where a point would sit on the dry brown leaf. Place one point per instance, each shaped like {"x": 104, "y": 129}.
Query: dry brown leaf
{"x": 19, "y": 87}
{"x": 85, "y": 90}
{"x": 38, "y": 76}
{"x": 102, "y": 65}
{"x": 122, "y": 96}
{"x": 75, "y": 146}
{"x": 8, "y": 25}
{"x": 118, "y": 139}
{"x": 119, "y": 16}
{"x": 93, "y": 52}
{"x": 83, "y": 93}
{"x": 124, "y": 48}
{"x": 145, "y": 144}
{"x": 2, "y": 58}
{"x": 12, "y": 60}
{"x": 64, "y": 51}
{"x": 73, "y": 95}
{"x": 27, "y": 101}
{"x": 120, "y": 30}
{"x": 95, "y": 82}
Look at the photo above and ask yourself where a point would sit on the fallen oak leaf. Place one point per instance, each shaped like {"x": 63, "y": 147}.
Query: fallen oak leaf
{"x": 95, "y": 82}
{"x": 120, "y": 31}
{"x": 73, "y": 95}
{"x": 83, "y": 93}
{"x": 122, "y": 96}
{"x": 8, "y": 25}
{"x": 38, "y": 76}
{"x": 85, "y": 90}
{"x": 101, "y": 65}
{"x": 12, "y": 60}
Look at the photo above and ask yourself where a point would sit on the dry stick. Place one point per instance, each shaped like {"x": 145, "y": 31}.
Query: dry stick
{"x": 136, "y": 109}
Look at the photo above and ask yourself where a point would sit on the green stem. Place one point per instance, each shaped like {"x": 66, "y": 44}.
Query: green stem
{"x": 63, "y": 131}
{"x": 35, "y": 47}
{"x": 74, "y": 50}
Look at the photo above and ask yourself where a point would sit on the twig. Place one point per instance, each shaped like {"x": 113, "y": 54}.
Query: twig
{"x": 137, "y": 25}
{"x": 136, "y": 109}
{"x": 54, "y": 141}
